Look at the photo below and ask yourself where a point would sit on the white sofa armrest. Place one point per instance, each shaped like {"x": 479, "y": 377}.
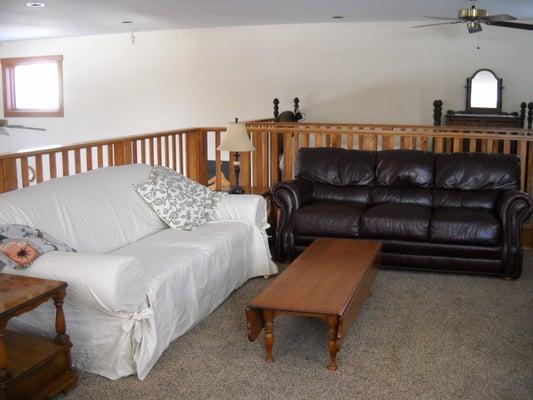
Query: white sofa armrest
{"x": 101, "y": 281}
{"x": 248, "y": 208}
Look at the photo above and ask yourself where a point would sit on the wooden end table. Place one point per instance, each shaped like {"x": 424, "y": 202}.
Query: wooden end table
{"x": 330, "y": 280}
{"x": 33, "y": 367}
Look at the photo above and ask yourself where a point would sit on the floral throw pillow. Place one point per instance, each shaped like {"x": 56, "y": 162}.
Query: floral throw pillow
{"x": 179, "y": 201}
{"x": 21, "y": 245}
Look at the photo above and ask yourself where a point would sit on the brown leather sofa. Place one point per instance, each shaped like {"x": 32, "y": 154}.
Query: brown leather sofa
{"x": 456, "y": 212}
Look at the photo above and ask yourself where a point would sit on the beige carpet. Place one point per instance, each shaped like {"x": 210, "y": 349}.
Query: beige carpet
{"x": 421, "y": 336}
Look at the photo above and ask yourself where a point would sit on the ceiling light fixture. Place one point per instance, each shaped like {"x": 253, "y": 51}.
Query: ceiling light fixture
{"x": 35, "y": 5}
{"x": 127, "y": 22}
{"x": 337, "y": 17}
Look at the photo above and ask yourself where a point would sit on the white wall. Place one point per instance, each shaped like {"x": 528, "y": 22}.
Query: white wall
{"x": 364, "y": 72}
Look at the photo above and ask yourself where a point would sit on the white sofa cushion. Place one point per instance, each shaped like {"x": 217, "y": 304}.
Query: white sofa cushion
{"x": 94, "y": 212}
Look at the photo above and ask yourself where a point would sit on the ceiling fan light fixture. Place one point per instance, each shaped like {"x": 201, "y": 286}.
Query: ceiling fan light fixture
{"x": 474, "y": 26}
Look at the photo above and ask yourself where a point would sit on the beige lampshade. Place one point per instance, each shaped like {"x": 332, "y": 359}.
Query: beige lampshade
{"x": 236, "y": 138}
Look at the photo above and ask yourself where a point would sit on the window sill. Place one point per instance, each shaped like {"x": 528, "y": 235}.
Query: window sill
{"x": 34, "y": 113}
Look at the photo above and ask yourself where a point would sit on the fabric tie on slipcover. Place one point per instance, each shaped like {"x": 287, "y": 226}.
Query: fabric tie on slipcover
{"x": 141, "y": 326}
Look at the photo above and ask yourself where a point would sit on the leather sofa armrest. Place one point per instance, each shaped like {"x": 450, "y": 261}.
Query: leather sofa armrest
{"x": 514, "y": 207}
{"x": 289, "y": 197}
{"x": 292, "y": 195}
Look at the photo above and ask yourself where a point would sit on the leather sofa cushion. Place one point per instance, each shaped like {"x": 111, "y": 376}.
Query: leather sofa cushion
{"x": 403, "y": 195}
{"x": 477, "y": 171}
{"x": 472, "y": 226}
{"x": 487, "y": 199}
{"x": 335, "y": 166}
{"x": 328, "y": 218}
{"x": 396, "y": 221}
{"x": 405, "y": 168}
{"x": 355, "y": 194}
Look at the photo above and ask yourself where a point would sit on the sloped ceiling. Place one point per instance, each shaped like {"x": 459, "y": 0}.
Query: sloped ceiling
{"x": 62, "y": 18}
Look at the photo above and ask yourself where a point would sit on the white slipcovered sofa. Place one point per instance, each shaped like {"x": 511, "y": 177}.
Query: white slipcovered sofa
{"x": 134, "y": 285}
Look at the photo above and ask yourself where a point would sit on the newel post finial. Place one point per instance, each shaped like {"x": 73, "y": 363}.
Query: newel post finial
{"x": 276, "y": 108}
{"x": 530, "y": 116}
{"x": 523, "y": 107}
{"x": 437, "y": 112}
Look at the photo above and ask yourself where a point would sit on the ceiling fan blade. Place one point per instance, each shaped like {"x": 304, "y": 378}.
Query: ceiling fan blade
{"x": 24, "y": 127}
{"x": 4, "y": 132}
{"x": 439, "y": 23}
{"x": 515, "y": 25}
{"x": 444, "y": 18}
{"x": 499, "y": 17}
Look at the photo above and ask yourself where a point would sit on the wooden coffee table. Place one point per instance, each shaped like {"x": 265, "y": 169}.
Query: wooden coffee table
{"x": 330, "y": 280}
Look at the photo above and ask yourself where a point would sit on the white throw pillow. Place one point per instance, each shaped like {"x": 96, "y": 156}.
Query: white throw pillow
{"x": 179, "y": 201}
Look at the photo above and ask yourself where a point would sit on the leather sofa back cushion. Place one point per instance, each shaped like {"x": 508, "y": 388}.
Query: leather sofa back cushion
{"x": 338, "y": 167}
{"x": 477, "y": 171}
{"x": 402, "y": 195}
{"x": 405, "y": 168}
{"x": 486, "y": 199}
{"x": 354, "y": 194}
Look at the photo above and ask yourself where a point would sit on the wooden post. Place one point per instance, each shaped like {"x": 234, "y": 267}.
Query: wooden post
{"x": 196, "y": 158}
{"x": 8, "y": 175}
{"x": 530, "y": 116}
{"x": 122, "y": 152}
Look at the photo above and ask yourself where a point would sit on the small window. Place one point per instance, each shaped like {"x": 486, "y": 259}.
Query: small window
{"x": 33, "y": 86}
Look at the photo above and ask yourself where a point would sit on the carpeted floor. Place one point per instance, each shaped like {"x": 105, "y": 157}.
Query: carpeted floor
{"x": 421, "y": 336}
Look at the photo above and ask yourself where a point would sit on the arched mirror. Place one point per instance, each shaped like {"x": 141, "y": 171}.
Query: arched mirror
{"x": 484, "y": 92}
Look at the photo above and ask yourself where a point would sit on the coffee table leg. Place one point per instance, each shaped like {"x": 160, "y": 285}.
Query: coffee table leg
{"x": 333, "y": 328}
{"x": 268, "y": 317}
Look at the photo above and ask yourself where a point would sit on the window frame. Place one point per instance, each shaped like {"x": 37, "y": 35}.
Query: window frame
{"x": 8, "y": 87}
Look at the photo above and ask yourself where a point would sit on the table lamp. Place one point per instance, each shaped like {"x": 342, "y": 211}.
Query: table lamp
{"x": 236, "y": 140}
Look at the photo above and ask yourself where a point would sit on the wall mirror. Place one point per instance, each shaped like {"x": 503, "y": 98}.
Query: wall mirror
{"x": 484, "y": 92}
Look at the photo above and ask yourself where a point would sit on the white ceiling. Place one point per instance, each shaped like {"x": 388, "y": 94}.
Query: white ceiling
{"x": 76, "y": 17}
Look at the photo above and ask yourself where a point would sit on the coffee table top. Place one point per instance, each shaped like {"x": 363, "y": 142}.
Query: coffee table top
{"x": 323, "y": 279}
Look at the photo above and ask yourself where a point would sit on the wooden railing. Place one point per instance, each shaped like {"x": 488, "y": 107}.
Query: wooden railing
{"x": 274, "y": 158}
{"x": 278, "y": 143}
{"x": 182, "y": 150}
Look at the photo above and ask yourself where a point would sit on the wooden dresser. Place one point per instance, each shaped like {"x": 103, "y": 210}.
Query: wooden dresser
{"x": 501, "y": 120}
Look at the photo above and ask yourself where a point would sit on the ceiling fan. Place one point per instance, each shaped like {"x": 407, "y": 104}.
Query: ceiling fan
{"x": 4, "y": 125}
{"x": 474, "y": 17}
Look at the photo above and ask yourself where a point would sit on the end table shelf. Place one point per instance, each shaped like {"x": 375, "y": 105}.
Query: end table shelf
{"x": 33, "y": 367}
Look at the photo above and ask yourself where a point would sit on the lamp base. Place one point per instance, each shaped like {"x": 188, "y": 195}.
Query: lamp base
{"x": 236, "y": 190}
